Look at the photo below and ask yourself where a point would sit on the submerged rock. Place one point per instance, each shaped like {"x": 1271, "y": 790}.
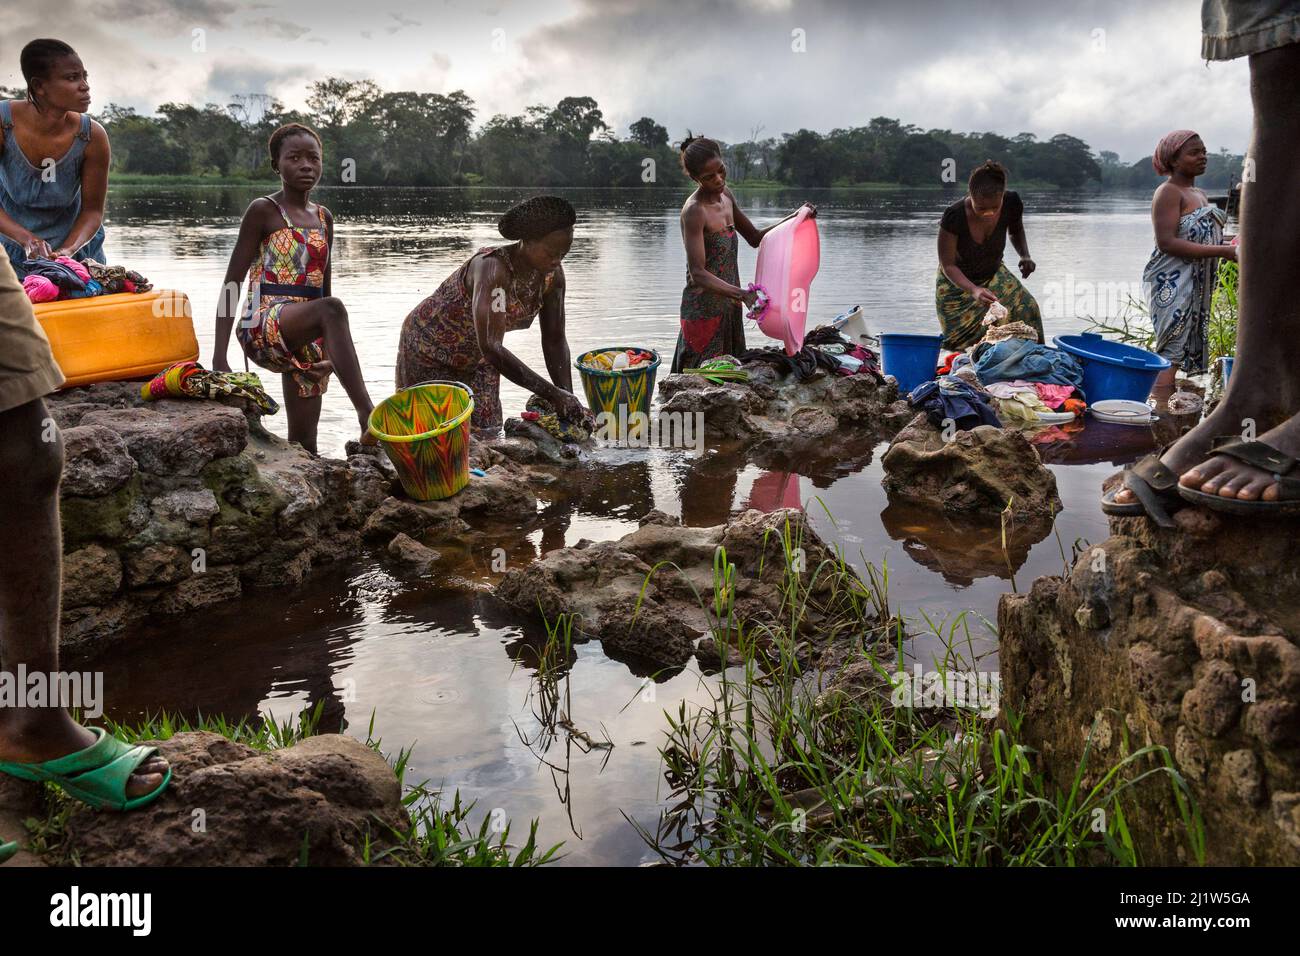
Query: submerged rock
{"x": 649, "y": 594}
{"x": 230, "y": 805}
{"x": 175, "y": 505}
{"x": 1186, "y": 638}
{"x": 970, "y": 472}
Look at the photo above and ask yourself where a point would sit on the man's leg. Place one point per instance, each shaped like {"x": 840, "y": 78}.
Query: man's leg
{"x": 30, "y": 579}
{"x": 1264, "y": 390}
{"x": 1268, "y": 332}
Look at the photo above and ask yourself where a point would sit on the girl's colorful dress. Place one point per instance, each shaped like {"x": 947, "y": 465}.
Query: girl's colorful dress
{"x": 711, "y": 323}
{"x": 1179, "y": 292}
{"x": 439, "y": 342}
{"x": 290, "y": 267}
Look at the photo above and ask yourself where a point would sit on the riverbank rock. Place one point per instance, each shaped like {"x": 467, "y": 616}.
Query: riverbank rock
{"x": 506, "y": 494}
{"x": 231, "y": 805}
{"x": 782, "y": 410}
{"x": 1188, "y": 639}
{"x": 969, "y": 472}
{"x": 174, "y": 505}
{"x": 604, "y": 590}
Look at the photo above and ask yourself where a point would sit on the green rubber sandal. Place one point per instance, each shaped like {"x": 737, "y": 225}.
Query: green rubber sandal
{"x": 96, "y": 776}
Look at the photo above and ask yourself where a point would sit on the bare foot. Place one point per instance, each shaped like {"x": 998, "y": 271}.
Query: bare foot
{"x": 1229, "y": 478}
{"x": 44, "y": 734}
{"x": 1192, "y": 448}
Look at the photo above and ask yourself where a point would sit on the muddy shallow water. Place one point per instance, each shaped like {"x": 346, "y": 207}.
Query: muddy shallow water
{"x": 438, "y": 663}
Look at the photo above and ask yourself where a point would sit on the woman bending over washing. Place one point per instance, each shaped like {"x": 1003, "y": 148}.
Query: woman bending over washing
{"x": 457, "y": 334}
{"x": 1179, "y": 278}
{"x": 972, "y": 276}
{"x": 291, "y": 323}
{"x": 53, "y": 162}
{"x": 711, "y": 218}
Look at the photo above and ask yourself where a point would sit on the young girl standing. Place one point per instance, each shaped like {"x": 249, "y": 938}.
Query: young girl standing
{"x": 290, "y": 323}
{"x": 711, "y": 219}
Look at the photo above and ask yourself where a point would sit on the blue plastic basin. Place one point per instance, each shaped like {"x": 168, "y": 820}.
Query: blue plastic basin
{"x": 1111, "y": 369}
{"x": 911, "y": 359}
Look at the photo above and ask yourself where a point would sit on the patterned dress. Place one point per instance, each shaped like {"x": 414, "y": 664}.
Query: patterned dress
{"x": 711, "y": 323}
{"x": 439, "y": 342}
{"x": 290, "y": 267}
{"x": 1179, "y": 292}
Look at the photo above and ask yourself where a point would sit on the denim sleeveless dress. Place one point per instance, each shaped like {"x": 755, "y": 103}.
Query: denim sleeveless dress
{"x": 47, "y": 209}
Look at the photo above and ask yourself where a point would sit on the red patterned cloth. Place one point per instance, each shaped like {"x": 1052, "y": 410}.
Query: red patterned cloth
{"x": 711, "y": 323}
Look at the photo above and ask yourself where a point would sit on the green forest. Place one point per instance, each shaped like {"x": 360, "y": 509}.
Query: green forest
{"x": 372, "y": 137}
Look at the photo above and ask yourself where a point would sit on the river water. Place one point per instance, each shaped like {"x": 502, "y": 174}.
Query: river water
{"x": 437, "y": 663}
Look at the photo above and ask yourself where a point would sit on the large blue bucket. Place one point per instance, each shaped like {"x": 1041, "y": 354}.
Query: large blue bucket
{"x": 909, "y": 358}
{"x": 1111, "y": 369}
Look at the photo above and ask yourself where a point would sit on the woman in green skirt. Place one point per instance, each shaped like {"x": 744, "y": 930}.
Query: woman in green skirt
{"x": 972, "y": 276}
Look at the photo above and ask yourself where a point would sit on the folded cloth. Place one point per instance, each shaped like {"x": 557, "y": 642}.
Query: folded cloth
{"x": 951, "y": 399}
{"x": 62, "y": 276}
{"x": 1023, "y": 360}
{"x": 1023, "y": 405}
{"x": 192, "y": 380}
{"x": 79, "y": 268}
{"x": 92, "y": 288}
{"x": 40, "y": 289}
{"x": 1053, "y": 396}
{"x": 117, "y": 279}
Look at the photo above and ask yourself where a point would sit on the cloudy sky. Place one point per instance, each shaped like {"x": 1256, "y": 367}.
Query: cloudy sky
{"x": 1117, "y": 74}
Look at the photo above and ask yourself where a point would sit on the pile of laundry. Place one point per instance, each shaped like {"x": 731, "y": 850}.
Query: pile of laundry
{"x": 617, "y": 360}
{"x": 1009, "y": 377}
{"x": 48, "y": 280}
{"x": 825, "y": 350}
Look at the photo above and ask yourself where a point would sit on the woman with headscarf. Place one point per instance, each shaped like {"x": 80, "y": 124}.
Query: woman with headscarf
{"x": 53, "y": 161}
{"x": 457, "y": 333}
{"x": 1179, "y": 277}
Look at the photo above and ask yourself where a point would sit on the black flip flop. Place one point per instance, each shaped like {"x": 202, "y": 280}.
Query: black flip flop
{"x": 1264, "y": 457}
{"x": 1156, "y": 489}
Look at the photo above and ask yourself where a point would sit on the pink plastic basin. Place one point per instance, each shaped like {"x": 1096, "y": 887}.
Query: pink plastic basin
{"x": 788, "y": 258}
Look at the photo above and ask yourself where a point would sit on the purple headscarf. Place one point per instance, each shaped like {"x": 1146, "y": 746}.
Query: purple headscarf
{"x": 1167, "y": 149}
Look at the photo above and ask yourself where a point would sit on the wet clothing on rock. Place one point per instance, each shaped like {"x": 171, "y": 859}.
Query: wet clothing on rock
{"x": 711, "y": 323}
{"x": 1021, "y": 359}
{"x": 1179, "y": 292}
{"x": 542, "y": 413}
{"x": 949, "y": 398}
{"x": 439, "y": 342}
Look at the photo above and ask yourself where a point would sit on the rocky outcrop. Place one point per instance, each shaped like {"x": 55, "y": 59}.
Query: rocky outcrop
{"x": 1185, "y": 638}
{"x": 781, "y": 410}
{"x": 649, "y": 595}
{"x": 175, "y": 505}
{"x": 230, "y": 805}
{"x": 979, "y": 471}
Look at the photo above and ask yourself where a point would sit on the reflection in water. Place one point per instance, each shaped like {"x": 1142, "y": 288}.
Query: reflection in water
{"x": 962, "y": 549}
{"x": 443, "y": 667}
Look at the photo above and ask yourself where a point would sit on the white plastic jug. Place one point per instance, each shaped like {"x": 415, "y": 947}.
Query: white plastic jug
{"x": 854, "y": 325}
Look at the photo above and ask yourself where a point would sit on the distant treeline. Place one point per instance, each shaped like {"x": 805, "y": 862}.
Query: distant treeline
{"x": 405, "y": 138}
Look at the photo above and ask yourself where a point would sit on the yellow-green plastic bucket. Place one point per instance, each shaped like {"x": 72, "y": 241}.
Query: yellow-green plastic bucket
{"x": 425, "y": 431}
{"x": 619, "y": 393}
